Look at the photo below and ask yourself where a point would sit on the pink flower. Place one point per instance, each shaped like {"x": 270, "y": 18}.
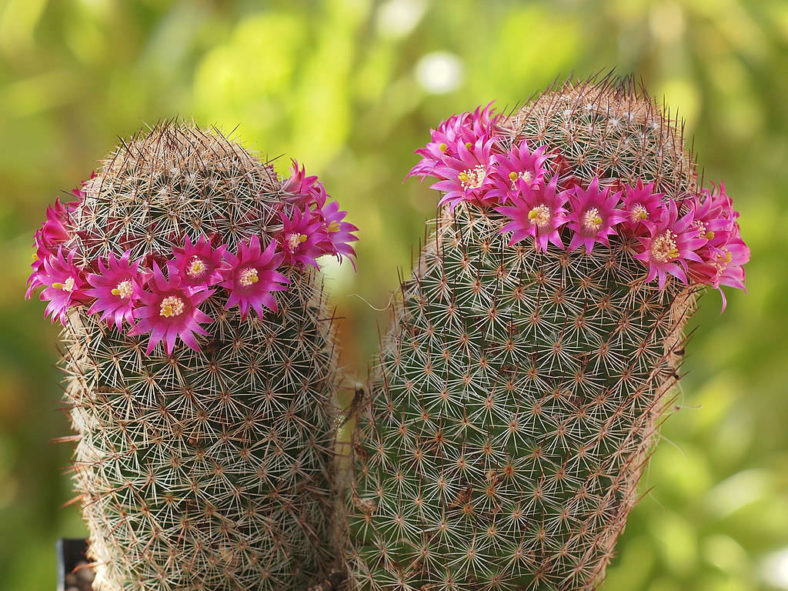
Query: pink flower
{"x": 305, "y": 191}
{"x": 593, "y": 214}
{"x": 538, "y": 211}
{"x": 462, "y": 129}
{"x": 714, "y": 216}
{"x": 670, "y": 243}
{"x": 466, "y": 176}
{"x": 299, "y": 238}
{"x": 63, "y": 283}
{"x": 169, "y": 311}
{"x": 724, "y": 253}
{"x": 197, "y": 264}
{"x": 336, "y": 234}
{"x": 516, "y": 171}
{"x": 251, "y": 277}
{"x": 641, "y": 204}
{"x": 54, "y": 230}
{"x": 52, "y": 233}
{"x": 117, "y": 288}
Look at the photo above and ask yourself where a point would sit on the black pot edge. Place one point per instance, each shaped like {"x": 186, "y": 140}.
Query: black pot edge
{"x": 70, "y": 552}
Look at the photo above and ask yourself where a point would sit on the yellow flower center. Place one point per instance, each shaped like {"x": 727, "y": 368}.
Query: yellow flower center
{"x": 525, "y": 175}
{"x": 333, "y": 226}
{"x": 293, "y": 240}
{"x": 702, "y": 231}
{"x": 540, "y": 215}
{"x": 443, "y": 147}
{"x": 171, "y": 306}
{"x": 639, "y": 213}
{"x": 67, "y": 285}
{"x": 124, "y": 289}
{"x": 472, "y": 178}
{"x": 248, "y": 277}
{"x": 591, "y": 220}
{"x": 196, "y": 267}
{"x": 723, "y": 260}
{"x": 663, "y": 248}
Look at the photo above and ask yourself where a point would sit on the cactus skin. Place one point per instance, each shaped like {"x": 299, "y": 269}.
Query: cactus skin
{"x": 201, "y": 470}
{"x": 518, "y": 394}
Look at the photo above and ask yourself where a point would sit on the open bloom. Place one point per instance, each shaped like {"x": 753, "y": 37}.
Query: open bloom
{"x": 714, "y": 216}
{"x": 516, "y": 172}
{"x": 724, "y": 254}
{"x": 197, "y": 264}
{"x": 251, "y": 277}
{"x": 593, "y": 214}
{"x": 63, "y": 283}
{"x": 671, "y": 242}
{"x": 641, "y": 204}
{"x": 462, "y": 129}
{"x": 169, "y": 311}
{"x": 52, "y": 233}
{"x": 539, "y": 212}
{"x": 466, "y": 176}
{"x": 117, "y": 288}
{"x": 337, "y": 234}
{"x": 300, "y": 238}
{"x": 306, "y": 191}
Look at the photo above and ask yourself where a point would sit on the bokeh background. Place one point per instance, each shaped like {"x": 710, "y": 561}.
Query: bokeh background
{"x": 351, "y": 88}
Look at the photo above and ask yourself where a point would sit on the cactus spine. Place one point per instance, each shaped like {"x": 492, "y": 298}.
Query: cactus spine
{"x": 519, "y": 391}
{"x": 211, "y": 469}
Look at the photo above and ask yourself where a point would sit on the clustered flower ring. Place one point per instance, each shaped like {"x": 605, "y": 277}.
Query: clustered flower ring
{"x": 694, "y": 238}
{"x": 162, "y": 297}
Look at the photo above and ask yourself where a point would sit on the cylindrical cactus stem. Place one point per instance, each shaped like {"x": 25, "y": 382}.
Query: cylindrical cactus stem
{"x": 532, "y": 356}
{"x": 200, "y": 363}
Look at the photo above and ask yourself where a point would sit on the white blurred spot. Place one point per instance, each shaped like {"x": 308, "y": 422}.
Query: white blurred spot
{"x": 440, "y": 72}
{"x": 397, "y": 18}
{"x": 737, "y": 491}
{"x": 774, "y": 569}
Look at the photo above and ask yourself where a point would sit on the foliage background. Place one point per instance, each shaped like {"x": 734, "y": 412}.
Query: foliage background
{"x": 351, "y": 88}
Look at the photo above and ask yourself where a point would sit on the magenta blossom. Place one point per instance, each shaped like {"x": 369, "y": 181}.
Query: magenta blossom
{"x": 52, "y": 233}
{"x": 117, "y": 288}
{"x": 306, "y": 191}
{"x": 641, "y": 204}
{"x": 538, "y": 211}
{"x": 337, "y": 233}
{"x": 466, "y": 176}
{"x": 714, "y": 216}
{"x": 169, "y": 310}
{"x": 63, "y": 283}
{"x": 593, "y": 214}
{"x": 516, "y": 172}
{"x": 197, "y": 264}
{"x": 671, "y": 242}
{"x": 462, "y": 129}
{"x": 252, "y": 279}
{"x": 300, "y": 238}
{"x": 721, "y": 265}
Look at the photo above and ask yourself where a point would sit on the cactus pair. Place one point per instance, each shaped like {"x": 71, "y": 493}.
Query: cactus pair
{"x": 515, "y": 400}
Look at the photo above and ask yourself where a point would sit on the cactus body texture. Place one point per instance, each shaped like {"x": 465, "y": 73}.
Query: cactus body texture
{"x": 519, "y": 392}
{"x": 210, "y": 469}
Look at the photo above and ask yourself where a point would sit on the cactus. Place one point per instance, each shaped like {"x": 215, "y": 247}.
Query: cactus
{"x": 204, "y": 457}
{"x": 534, "y": 352}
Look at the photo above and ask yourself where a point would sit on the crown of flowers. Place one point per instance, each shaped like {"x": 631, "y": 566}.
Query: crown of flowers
{"x": 161, "y": 296}
{"x": 694, "y": 239}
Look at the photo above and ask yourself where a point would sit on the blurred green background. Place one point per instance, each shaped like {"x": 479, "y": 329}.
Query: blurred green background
{"x": 351, "y": 87}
